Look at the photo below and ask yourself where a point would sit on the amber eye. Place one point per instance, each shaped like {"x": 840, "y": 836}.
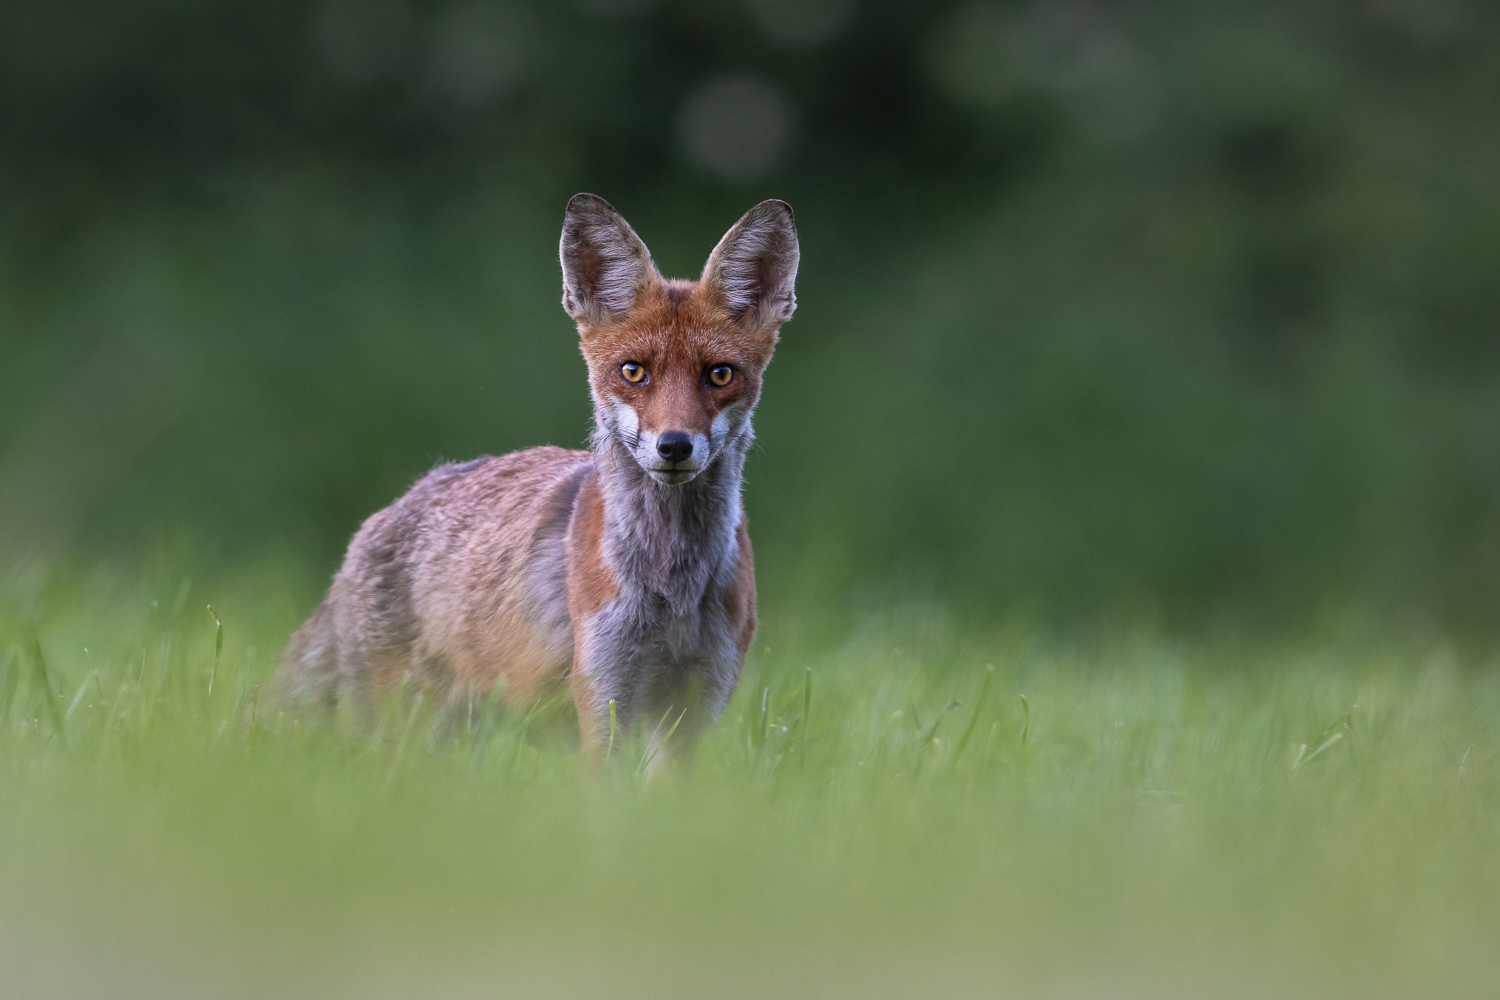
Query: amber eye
{"x": 721, "y": 375}
{"x": 633, "y": 373}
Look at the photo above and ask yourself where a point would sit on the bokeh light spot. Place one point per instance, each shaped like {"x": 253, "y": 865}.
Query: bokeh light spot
{"x": 364, "y": 41}
{"x": 736, "y": 128}
{"x": 478, "y": 52}
{"x": 802, "y": 23}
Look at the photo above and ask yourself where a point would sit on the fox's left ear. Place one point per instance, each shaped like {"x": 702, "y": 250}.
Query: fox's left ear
{"x": 605, "y": 266}
{"x": 754, "y": 268}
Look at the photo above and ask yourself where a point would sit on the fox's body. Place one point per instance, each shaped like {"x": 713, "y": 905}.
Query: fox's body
{"x": 623, "y": 571}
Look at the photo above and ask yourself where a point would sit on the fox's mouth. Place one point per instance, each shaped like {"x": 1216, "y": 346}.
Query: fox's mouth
{"x": 672, "y": 477}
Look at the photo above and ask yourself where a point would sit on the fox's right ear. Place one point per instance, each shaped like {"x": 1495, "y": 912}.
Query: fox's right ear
{"x": 604, "y": 263}
{"x": 753, "y": 270}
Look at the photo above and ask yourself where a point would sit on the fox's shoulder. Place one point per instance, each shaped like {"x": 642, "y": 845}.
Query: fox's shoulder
{"x": 513, "y": 477}
{"x": 544, "y": 460}
{"x": 525, "y": 473}
{"x": 523, "y": 492}
{"x": 502, "y": 483}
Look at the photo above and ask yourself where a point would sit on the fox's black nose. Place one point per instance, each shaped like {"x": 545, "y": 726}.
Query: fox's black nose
{"x": 674, "y": 446}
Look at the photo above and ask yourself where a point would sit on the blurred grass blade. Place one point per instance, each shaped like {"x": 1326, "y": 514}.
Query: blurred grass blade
{"x": 1336, "y": 731}
{"x": 610, "y": 748}
{"x": 218, "y": 649}
{"x": 806, "y": 708}
{"x": 537, "y": 710}
{"x": 411, "y": 722}
{"x": 9, "y": 681}
{"x": 181, "y": 600}
{"x": 932, "y": 729}
{"x": 44, "y": 683}
{"x": 657, "y": 749}
{"x": 984, "y": 691}
{"x": 78, "y": 695}
{"x": 491, "y": 710}
{"x": 649, "y": 751}
{"x": 765, "y": 718}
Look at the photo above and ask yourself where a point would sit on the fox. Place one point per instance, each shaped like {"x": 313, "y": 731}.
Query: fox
{"x": 623, "y": 572}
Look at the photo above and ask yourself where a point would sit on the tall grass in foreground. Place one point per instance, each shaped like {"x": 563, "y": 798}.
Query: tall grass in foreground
{"x": 907, "y": 811}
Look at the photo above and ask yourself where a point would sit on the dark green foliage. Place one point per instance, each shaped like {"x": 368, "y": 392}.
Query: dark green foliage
{"x": 1177, "y": 312}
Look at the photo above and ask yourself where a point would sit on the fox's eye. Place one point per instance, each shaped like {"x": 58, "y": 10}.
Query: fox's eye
{"x": 632, "y": 372}
{"x": 721, "y": 375}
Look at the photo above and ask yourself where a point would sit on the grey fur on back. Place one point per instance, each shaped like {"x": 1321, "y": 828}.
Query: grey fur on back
{"x": 416, "y": 564}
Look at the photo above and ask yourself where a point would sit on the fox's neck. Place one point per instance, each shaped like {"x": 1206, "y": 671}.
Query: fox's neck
{"x": 673, "y": 542}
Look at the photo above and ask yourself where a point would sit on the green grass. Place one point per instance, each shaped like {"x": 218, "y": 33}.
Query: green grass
{"x": 877, "y": 814}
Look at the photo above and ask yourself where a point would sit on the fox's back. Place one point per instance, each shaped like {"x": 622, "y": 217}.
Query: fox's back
{"x": 459, "y": 583}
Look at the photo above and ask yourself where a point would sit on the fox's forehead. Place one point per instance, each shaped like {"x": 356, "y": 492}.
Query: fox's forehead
{"x": 676, "y": 328}
{"x": 666, "y": 346}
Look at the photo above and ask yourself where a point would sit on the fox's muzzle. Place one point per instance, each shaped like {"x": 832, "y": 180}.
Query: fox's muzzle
{"x": 674, "y": 446}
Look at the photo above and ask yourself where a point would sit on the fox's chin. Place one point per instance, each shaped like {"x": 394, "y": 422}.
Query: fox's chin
{"x": 672, "y": 477}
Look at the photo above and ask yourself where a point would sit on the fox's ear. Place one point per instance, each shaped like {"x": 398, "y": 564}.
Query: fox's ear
{"x": 754, "y": 267}
{"x": 604, "y": 263}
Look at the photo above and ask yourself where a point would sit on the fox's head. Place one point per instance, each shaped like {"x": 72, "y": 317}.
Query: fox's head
{"x": 675, "y": 366}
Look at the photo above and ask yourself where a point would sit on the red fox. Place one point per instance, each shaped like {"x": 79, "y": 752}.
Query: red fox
{"x": 623, "y": 571}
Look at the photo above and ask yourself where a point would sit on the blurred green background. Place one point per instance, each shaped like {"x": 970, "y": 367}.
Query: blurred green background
{"x": 1182, "y": 313}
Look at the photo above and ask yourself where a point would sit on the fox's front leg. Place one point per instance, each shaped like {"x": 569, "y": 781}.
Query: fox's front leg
{"x": 619, "y": 692}
{"x": 593, "y": 718}
{"x": 593, "y": 721}
{"x": 602, "y": 694}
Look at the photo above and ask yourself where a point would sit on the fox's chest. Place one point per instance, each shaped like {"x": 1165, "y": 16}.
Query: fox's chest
{"x": 649, "y": 653}
{"x": 647, "y": 626}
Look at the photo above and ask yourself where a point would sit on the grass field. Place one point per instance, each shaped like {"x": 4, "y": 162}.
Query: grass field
{"x": 879, "y": 813}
